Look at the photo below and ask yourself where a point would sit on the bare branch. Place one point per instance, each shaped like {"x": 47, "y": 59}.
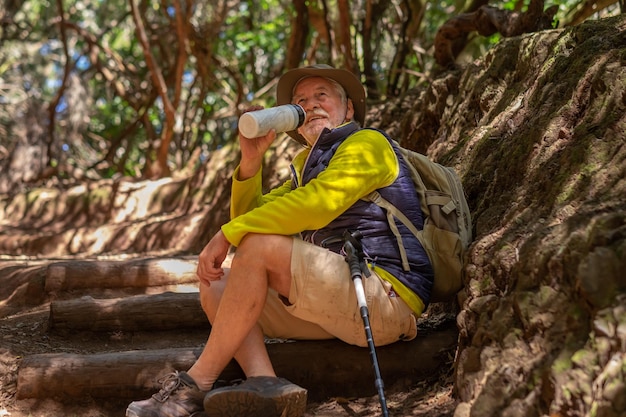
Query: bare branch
{"x": 159, "y": 168}
{"x": 587, "y": 8}
{"x": 486, "y": 21}
{"x": 66, "y": 72}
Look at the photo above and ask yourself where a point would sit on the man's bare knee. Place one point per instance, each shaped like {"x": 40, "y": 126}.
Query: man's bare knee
{"x": 270, "y": 253}
{"x": 210, "y": 297}
{"x": 262, "y": 247}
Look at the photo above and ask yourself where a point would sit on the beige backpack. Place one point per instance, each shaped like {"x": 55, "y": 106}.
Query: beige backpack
{"x": 447, "y": 229}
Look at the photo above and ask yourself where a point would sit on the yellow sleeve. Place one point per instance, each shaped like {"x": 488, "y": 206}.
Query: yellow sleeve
{"x": 363, "y": 163}
{"x": 248, "y": 194}
{"x": 245, "y": 194}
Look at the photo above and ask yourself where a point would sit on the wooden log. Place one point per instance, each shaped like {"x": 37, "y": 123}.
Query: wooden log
{"x": 165, "y": 311}
{"x": 325, "y": 368}
{"x": 136, "y": 273}
{"x": 101, "y": 375}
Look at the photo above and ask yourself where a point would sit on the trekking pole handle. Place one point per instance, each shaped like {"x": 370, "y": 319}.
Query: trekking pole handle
{"x": 354, "y": 253}
{"x": 352, "y": 257}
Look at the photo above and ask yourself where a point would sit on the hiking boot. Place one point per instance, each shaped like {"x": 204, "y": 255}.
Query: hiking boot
{"x": 257, "y": 396}
{"x": 179, "y": 396}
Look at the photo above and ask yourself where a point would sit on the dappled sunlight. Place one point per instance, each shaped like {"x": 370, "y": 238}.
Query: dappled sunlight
{"x": 164, "y": 216}
{"x": 185, "y": 289}
{"x": 180, "y": 267}
{"x": 134, "y": 200}
{"x": 94, "y": 240}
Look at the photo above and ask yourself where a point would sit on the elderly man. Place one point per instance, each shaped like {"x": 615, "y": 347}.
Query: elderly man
{"x": 288, "y": 278}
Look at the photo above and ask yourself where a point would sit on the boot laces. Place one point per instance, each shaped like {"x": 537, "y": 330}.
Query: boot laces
{"x": 170, "y": 383}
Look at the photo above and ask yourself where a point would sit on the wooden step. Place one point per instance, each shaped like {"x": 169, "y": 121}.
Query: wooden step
{"x": 135, "y": 273}
{"x": 326, "y": 368}
{"x": 164, "y": 311}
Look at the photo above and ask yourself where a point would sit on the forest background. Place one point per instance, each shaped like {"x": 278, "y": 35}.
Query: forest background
{"x": 93, "y": 89}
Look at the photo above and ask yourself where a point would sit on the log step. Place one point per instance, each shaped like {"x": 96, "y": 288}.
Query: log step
{"x": 326, "y": 368}
{"x": 134, "y": 273}
{"x": 164, "y": 311}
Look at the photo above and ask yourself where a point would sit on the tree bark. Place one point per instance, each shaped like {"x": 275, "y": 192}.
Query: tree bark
{"x": 413, "y": 13}
{"x": 374, "y": 12}
{"x": 344, "y": 44}
{"x": 319, "y": 21}
{"x": 299, "y": 35}
{"x": 165, "y": 311}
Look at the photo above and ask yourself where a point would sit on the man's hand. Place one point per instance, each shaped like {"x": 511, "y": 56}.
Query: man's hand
{"x": 211, "y": 258}
{"x": 253, "y": 150}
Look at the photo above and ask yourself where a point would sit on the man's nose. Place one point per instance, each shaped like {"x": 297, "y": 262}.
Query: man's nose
{"x": 310, "y": 104}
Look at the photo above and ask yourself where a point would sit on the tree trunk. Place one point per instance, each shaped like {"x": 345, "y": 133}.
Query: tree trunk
{"x": 343, "y": 38}
{"x": 299, "y": 34}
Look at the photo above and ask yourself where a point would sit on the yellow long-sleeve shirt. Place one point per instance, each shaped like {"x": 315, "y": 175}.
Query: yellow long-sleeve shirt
{"x": 364, "y": 162}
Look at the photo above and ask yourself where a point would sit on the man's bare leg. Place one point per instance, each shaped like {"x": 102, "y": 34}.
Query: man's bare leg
{"x": 260, "y": 262}
{"x": 252, "y": 355}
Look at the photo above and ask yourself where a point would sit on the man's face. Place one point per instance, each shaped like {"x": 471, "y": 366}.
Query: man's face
{"x": 323, "y": 105}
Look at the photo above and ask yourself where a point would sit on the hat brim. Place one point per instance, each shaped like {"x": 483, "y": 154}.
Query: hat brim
{"x": 350, "y": 83}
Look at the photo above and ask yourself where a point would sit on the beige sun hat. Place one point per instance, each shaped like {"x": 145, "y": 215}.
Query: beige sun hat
{"x": 354, "y": 89}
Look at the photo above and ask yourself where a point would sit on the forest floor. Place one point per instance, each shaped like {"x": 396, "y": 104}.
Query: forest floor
{"x": 26, "y": 333}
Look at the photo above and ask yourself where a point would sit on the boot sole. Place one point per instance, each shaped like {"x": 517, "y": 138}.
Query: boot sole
{"x": 253, "y": 404}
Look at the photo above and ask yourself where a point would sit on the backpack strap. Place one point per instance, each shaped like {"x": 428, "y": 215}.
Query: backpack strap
{"x": 446, "y": 203}
{"x": 392, "y": 211}
{"x": 433, "y": 199}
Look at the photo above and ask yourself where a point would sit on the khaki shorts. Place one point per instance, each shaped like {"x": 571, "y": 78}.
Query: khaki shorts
{"x": 324, "y": 305}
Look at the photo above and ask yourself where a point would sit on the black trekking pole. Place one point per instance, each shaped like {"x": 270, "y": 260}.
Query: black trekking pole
{"x": 354, "y": 257}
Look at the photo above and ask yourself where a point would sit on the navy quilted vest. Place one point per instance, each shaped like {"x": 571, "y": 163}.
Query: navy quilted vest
{"x": 379, "y": 243}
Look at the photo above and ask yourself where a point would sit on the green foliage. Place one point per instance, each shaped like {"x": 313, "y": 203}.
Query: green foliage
{"x": 88, "y": 61}
{"x": 253, "y": 38}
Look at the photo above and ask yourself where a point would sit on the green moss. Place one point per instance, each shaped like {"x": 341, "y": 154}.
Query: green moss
{"x": 547, "y": 295}
{"x": 481, "y": 285}
{"x": 577, "y": 313}
{"x": 562, "y": 363}
{"x": 585, "y": 359}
